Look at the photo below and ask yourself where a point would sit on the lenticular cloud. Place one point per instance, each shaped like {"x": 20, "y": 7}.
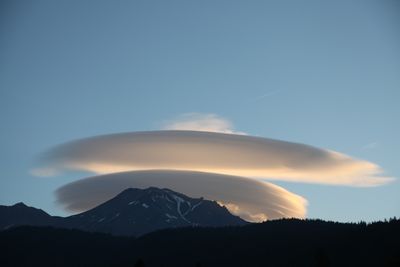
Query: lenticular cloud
{"x": 250, "y": 199}
{"x": 228, "y": 168}
{"x": 230, "y": 154}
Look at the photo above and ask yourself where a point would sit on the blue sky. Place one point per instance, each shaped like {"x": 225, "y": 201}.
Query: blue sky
{"x": 319, "y": 73}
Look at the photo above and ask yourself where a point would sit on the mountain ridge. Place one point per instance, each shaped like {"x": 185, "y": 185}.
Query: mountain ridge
{"x": 132, "y": 212}
{"x": 21, "y": 214}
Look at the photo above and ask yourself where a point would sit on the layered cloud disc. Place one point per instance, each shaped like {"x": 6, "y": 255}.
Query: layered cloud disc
{"x": 230, "y": 154}
{"x": 250, "y": 199}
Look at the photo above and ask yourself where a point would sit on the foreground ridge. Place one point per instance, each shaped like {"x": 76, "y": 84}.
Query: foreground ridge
{"x": 288, "y": 242}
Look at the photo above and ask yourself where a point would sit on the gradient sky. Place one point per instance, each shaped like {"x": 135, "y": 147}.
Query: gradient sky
{"x": 319, "y": 73}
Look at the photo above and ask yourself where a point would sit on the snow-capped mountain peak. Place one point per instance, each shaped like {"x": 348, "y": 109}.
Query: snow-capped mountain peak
{"x": 138, "y": 211}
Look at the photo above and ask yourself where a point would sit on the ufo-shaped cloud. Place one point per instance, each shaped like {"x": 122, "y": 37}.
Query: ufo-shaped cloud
{"x": 230, "y": 154}
{"x": 250, "y": 199}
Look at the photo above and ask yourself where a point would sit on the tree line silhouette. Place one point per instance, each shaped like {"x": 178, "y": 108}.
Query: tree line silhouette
{"x": 287, "y": 242}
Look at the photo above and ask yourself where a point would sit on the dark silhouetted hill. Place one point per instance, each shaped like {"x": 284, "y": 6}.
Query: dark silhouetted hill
{"x": 20, "y": 214}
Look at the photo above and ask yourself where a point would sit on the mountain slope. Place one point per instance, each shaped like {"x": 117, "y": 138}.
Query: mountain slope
{"x": 20, "y": 214}
{"x": 139, "y": 211}
{"x": 132, "y": 212}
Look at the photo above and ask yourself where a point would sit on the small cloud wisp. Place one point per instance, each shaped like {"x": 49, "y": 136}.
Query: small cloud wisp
{"x": 201, "y": 122}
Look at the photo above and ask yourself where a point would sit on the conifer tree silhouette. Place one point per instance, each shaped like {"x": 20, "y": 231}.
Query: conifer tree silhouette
{"x": 139, "y": 263}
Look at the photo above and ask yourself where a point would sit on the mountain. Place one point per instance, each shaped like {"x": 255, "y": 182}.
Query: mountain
{"x": 132, "y": 212}
{"x": 20, "y": 214}
{"x": 139, "y": 211}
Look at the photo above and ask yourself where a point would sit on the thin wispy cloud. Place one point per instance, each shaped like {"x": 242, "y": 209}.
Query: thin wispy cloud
{"x": 372, "y": 145}
{"x": 250, "y": 199}
{"x": 267, "y": 94}
{"x": 44, "y": 172}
